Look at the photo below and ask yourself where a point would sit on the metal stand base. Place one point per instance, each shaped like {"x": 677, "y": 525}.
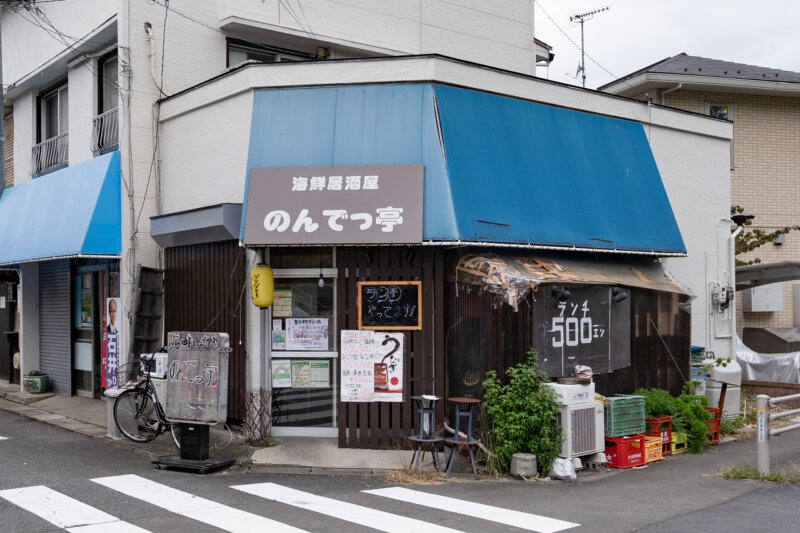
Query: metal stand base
{"x": 194, "y": 454}
{"x": 199, "y": 467}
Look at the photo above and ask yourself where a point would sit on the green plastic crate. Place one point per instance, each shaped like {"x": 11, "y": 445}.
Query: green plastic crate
{"x": 624, "y": 416}
{"x": 697, "y": 357}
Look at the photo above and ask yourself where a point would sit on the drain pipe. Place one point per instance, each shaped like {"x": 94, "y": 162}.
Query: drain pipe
{"x": 149, "y": 29}
{"x": 669, "y": 91}
{"x": 732, "y": 278}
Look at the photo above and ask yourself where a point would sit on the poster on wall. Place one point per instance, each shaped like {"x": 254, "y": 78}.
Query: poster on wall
{"x": 278, "y": 339}
{"x": 111, "y": 347}
{"x": 307, "y": 334}
{"x": 281, "y": 373}
{"x": 357, "y": 360}
{"x": 320, "y": 374}
{"x": 112, "y": 304}
{"x": 282, "y": 302}
{"x": 388, "y": 361}
{"x": 301, "y": 374}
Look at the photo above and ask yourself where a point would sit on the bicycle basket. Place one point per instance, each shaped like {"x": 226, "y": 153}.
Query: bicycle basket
{"x": 128, "y": 374}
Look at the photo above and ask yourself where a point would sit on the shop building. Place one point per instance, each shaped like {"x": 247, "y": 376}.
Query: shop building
{"x": 552, "y": 217}
{"x": 82, "y": 80}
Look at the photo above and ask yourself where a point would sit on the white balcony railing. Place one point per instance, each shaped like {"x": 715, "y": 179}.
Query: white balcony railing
{"x": 105, "y": 132}
{"x": 50, "y": 155}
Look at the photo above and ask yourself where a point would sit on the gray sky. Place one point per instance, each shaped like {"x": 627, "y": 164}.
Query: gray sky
{"x": 635, "y": 33}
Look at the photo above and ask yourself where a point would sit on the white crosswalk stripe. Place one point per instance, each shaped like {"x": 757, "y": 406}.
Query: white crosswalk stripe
{"x": 365, "y": 516}
{"x": 509, "y": 517}
{"x": 3, "y": 438}
{"x": 65, "y": 512}
{"x": 200, "y": 509}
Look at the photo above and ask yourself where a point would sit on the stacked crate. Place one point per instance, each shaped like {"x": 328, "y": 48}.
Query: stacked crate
{"x": 713, "y": 425}
{"x": 625, "y": 425}
{"x": 661, "y": 426}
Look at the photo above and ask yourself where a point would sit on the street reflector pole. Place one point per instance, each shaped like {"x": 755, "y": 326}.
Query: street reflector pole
{"x": 762, "y": 433}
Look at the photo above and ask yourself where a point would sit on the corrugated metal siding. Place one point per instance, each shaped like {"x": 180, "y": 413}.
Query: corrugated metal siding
{"x": 204, "y": 291}
{"x": 55, "y": 354}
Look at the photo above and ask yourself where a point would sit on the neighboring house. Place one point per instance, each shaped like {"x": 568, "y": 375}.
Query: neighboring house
{"x": 764, "y": 106}
{"x": 82, "y": 80}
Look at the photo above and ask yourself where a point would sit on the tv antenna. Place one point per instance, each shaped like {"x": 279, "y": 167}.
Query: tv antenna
{"x": 582, "y": 18}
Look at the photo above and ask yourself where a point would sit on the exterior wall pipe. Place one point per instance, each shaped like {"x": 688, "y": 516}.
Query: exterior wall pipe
{"x": 732, "y": 305}
{"x": 762, "y": 433}
{"x": 669, "y": 91}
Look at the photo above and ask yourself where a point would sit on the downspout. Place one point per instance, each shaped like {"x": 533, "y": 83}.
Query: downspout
{"x": 149, "y": 29}
{"x": 669, "y": 91}
{"x": 732, "y": 246}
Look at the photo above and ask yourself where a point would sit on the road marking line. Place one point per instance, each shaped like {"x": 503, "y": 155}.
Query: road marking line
{"x": 350, "y": 512}
{"x": 3, "y": 438}
{"x": 528, "y": 521}
{"x": 194, "y": 507}
{"x": 65, "y": 512}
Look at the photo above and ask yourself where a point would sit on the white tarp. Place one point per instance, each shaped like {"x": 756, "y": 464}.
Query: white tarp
{"x": 782, "y": 367}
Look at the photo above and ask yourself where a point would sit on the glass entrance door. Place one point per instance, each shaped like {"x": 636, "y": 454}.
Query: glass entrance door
{"x": 85, "y": 320}
{"x": 303, "y": 353}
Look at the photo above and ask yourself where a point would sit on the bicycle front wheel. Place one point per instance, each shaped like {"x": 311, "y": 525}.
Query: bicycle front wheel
{"x": 135, "y": 416}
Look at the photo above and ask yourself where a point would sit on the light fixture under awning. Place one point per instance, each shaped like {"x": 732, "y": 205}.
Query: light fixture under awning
{"x": 514, "y": 276}
{"x": 72, "y": 212}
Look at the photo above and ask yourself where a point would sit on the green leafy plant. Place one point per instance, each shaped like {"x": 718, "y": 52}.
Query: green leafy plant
{"x": 523, "y": 415}
{"x": 694, "y": 416}
{"x": 752, "y": 238}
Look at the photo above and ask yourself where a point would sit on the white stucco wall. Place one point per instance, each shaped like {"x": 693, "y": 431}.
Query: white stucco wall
{"x": 694, "y": 172}
{"x": 82, "y": 85}
{"x": 24, "y": 135}
{"x": 27, "y": 46}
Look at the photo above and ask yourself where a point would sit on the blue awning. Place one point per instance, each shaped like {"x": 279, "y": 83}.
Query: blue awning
{"x": 498, "y": 170}
{"x": 72, "y": 212}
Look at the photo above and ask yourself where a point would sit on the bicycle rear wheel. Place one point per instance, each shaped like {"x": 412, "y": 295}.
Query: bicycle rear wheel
{"x": 135, "y": 416}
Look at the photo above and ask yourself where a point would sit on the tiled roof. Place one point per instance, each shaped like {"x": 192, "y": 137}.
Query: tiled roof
{"x": 685, "y": 64}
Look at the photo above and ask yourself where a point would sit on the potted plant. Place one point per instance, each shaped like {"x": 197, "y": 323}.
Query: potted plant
{"x": 36, "y": 382}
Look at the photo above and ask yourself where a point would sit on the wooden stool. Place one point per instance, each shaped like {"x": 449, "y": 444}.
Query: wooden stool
{"x": 463, "y": 410}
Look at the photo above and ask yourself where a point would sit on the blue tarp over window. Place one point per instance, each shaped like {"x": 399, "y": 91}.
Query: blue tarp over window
{"x": 75, "y": 211}
{"x": 503, "y": 170}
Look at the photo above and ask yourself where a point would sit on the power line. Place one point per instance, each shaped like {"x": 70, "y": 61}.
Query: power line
{"x": 574, "y": 43}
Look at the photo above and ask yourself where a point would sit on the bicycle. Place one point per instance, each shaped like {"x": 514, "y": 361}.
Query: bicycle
{"x": 139, "y": 414}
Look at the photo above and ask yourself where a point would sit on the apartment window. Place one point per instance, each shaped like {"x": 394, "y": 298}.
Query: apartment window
{"x": 53, "y": 113}
{"x": 241, "y": 51}
{"x": 722, "y": 111}
{"x": 108, "y": 77}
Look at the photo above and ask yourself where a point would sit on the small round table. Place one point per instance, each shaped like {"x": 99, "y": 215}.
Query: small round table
{"x": 426, "y": 430}
{"x": 464, "y": 407}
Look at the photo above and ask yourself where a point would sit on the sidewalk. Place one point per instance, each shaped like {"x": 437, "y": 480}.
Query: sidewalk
{"x": 303, "y": 455}
{"x": 293, "y": 455}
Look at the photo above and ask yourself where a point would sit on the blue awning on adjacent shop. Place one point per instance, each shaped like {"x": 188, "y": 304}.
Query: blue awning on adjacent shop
{"x": 72, "y": 212}
{"x": 498, "y": 170}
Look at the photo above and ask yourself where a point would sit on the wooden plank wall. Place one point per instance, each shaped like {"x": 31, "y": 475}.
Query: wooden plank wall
{"x": 204, "y": 291}
{"x": 383, "y": 424}
{"x": 772, "y": 389}
{"x": 660, "y": 344}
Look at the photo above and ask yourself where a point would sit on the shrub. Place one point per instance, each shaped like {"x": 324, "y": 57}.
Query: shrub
{"x": 523, "y": 414}
{"x": 688, "y": 415}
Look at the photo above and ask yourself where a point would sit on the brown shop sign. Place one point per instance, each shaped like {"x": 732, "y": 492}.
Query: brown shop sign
{"x": 369, "y": 204}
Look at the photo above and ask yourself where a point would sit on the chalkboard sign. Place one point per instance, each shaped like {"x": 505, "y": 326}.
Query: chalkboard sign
{"x": 388, "y": 305}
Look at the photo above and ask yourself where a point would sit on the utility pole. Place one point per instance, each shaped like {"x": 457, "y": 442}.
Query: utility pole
{"x": 581, "y": 18}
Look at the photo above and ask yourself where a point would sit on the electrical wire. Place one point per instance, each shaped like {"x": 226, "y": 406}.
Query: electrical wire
{"x": 576, "y": 44}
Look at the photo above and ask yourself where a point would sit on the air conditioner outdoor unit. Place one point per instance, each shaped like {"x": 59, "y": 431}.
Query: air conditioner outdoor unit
{"x": 584, "y": 429}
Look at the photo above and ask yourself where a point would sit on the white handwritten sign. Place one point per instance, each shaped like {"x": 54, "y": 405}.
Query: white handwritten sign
{"x": 388, "y": 358}
{"x": 357, "y": 365}
{"x": 306, "y": 333}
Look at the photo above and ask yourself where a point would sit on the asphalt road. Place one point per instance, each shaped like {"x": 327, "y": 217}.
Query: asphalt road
{"x": 52, "y": 479}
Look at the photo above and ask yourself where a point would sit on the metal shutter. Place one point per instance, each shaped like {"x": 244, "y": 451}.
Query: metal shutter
{"x": 55, "y": 353}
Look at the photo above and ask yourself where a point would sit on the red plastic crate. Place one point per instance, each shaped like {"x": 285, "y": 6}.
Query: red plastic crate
{"x": 625, "y": 452}
{"x": 661, "y": 426}
{"x": 713, "y": 425}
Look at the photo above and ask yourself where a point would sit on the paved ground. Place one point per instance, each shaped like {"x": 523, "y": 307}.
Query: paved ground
{"x": 75, "y": 458}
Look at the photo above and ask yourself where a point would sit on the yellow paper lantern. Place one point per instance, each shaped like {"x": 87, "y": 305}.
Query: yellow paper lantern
{"x": 262, "y": 286}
